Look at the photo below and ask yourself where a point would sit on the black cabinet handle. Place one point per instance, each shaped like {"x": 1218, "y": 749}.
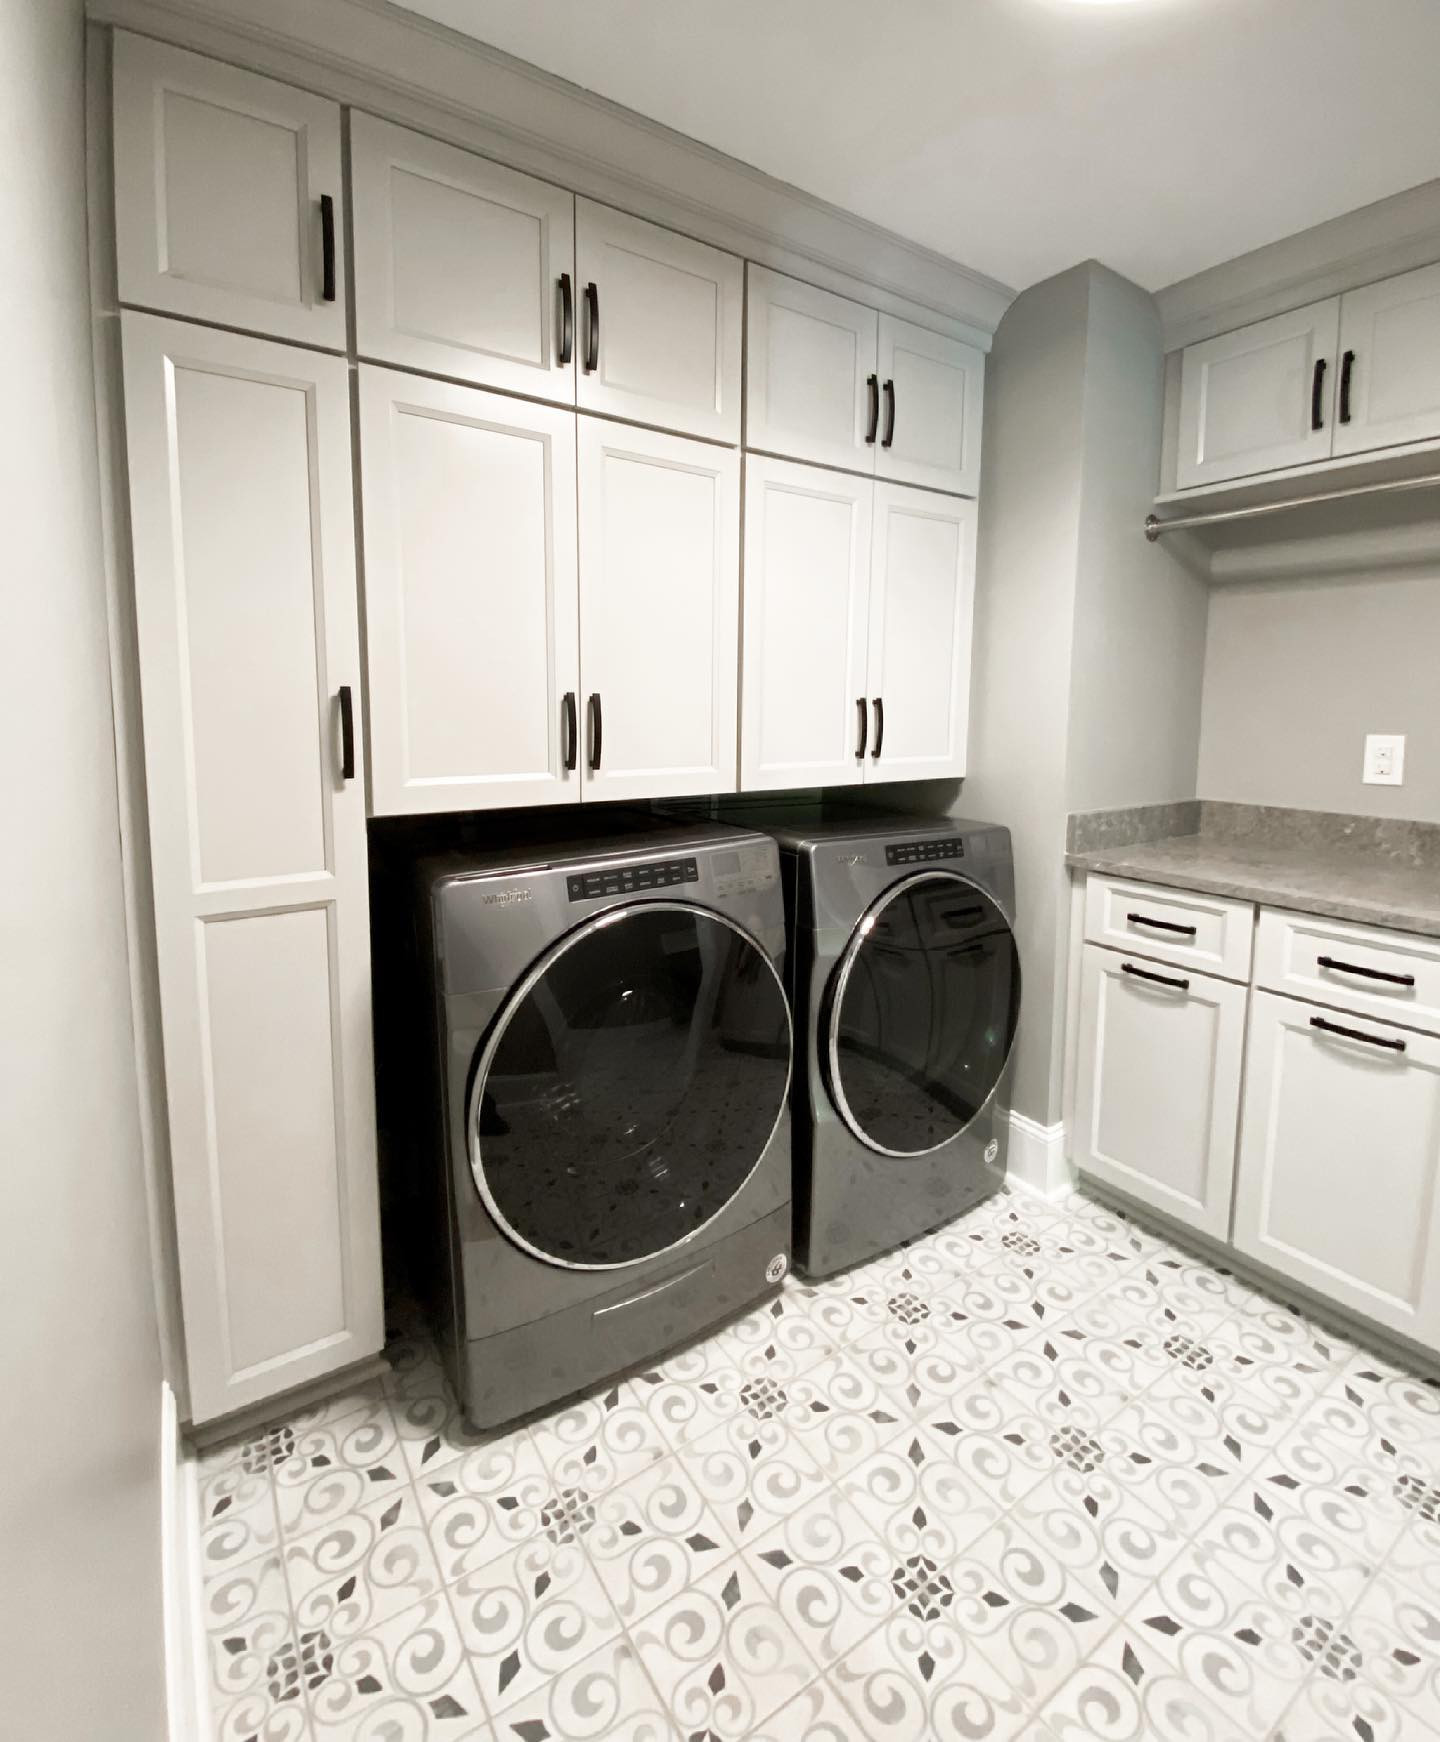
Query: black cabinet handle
{"x": 1357, "y": 1034}
{"x": 1369, "y": 973}
{"x": 872, "y": 388}
{"x": 889, "y": 414}
{"x": 327, "y": 248}
{"x": 597, "y": 723}
{"x": 592, "y": 325}
{"x": 347, "y": 734}
{"x": 1186, "y": 931}
{"x": 864, "y": 728}
{"x": 569, "y": 732}
{"x": 1159, "y": 979}
{"x": 567, "y": 320}
{"x": 1347, "y": 369}
{"x": 879, "y": 706}
{"x": 1317, "y": 384}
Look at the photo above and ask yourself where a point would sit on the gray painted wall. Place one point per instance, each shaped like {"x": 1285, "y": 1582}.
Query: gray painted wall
{"x": 80, "y": 1595}
{"x": 1296, "y": 673}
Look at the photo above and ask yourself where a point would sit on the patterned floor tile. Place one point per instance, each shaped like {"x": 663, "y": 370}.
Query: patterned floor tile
{"x": 237, "y": 1510}
{"x": 359, "y": 1570}
{"x": 826, "y": 1571}
{"x": 918, "y": 1501}
{"x": 407, "y": 1678}
{"x": 486, "y": 1501}
{"x": 913, "y": 1367}
{"x": 817, "y": 1715}
{"x": 918, "y": 1675}
{"x": 983, "y": 1317}
{"x": 256, "y": 1687}
{"x": 993, "y": 1441}
{"x": 1100, "y": 1532}
{"x": 606, "y": 1697}
{"x": 651, "y": 1538}
{"x": 1128, "y": 1692}
{"x": 599, "y": 1440}
{"x": 1396, "y": 1631}
{"x": 337, "y": 1467}
{"x": 838, "y": 1414}
{"x": 751, "y": 1474}
{"x": 778, "y": 1340}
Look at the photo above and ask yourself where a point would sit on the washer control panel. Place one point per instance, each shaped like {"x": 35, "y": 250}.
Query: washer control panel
{"x": 744, "y": 872}
{"x": 626, "y": 879}
{"x": 914, "y": 852}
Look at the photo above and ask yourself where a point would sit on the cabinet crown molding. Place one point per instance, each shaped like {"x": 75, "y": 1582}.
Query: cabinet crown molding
{"x": 404, "y": 68}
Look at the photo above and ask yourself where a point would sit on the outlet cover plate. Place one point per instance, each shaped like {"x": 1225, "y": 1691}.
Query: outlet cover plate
{"x": 1384, "y": 759}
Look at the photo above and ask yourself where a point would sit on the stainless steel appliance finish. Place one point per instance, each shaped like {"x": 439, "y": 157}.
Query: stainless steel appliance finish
{"x": 612, "y": 1051}
{"x": 905, "y": 982}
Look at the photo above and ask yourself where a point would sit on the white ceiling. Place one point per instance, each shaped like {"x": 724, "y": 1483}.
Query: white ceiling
{"x": 1021, "y": 136}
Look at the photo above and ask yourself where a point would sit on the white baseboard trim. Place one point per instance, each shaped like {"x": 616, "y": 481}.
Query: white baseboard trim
{"x": 186, "y": 1672}
{"x": 1037, "y": 1162}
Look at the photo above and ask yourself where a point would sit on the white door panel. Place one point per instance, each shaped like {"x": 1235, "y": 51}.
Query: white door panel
{"x": 1389, "y": 363}
{"x": 807, "y": 584}
{"x": 240, "y": 494}
{"x": 459, "y": 264}
{"x": 659, "y": 609}
{"x": 932, "y": 408}
{"x": 219, "y": 178}
{"x": 471, "y": 597}
{"x": 811, "y": 387}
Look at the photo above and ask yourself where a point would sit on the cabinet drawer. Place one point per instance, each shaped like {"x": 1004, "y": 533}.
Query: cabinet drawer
{"x": 1390, "y": 974}
{"x": 1207, "y": 932}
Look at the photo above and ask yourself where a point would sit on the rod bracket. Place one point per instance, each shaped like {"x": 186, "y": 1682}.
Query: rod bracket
{"x": 1152, "y": 527}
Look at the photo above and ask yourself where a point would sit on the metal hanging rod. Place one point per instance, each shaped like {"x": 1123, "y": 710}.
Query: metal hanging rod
{"x": 1154, "y": 526}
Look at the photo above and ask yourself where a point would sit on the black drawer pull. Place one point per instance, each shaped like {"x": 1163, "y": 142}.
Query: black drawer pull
{"x": 567, "y": 321}
{"x": 1185, "y": 931}
{"x": 569, "y": 732}
{"x": 327, "y": 248}
{"x": 1357, "y": 1034}
{"x": 889, "y": 440}
{"x": 872, "y": 387}
{"x": 1347, "y": 369}
{"x": 1159, "y": 979}
{"x": 592, "y": 335}
{"x": 597, "y": 726}
{"x": 864, "y": 728}
{"x": 879, "y": 728}
{"x": 347, "y": 734}
{"x": 1369, "y": 973}
{"x": 1317, "y": 386}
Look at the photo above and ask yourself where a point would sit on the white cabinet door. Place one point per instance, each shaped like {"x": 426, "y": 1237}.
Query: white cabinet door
{"x": 1389, "y": 363}
{"x": 1339, "y": 1184}
{"x": 658, "y": 327}
{"x": 922, "y": 593}
{"x": 471, "y": 610}
{"x": 240, "y": 499}
{"x": 227, "y": 195}
{"x": 659, "y": 612}
{"x": 933, "y": 403}
{"x": 1260, "y": 398}
{"x": 807, "y": 585}
{"x": 811, "y": 387}
{"x": 1157, "y": 1087}
{"x": 461, "y": 267}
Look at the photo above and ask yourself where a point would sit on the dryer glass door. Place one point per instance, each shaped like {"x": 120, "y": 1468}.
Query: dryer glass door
{"x": 629, "y": 1085}
{"x": 922, "y": 1013}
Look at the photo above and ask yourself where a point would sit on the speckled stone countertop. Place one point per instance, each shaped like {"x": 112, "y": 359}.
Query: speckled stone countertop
{"x": 1375, "y": 870}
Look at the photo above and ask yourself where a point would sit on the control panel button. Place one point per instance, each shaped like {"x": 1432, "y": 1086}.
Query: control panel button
{"x": 916, "y": 852}
{"x": 628, "y": 879}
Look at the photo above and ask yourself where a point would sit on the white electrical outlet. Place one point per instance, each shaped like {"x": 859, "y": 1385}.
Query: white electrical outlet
{"x": 1384, "y": 759}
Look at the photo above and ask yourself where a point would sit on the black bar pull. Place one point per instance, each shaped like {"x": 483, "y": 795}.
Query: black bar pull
{"x": 1159, "y": 979}
{"x": 1369, "y": 973}
{"x": 1187, "y": 931}
{"x": 567, "y": 320}
{"x": 592, "y": 326}
{"x": 889, "y": 415}
{"x": 327, "y": 248}
{"x": 347, "y": 734}
{"x": 1317, "y": 386}
{"x": 864, "y": 728}
{"x": 569, "y": 732}
{"x": 1357, "y": 1034}
{"x": 1347, "y": 369}
{"x": 597, "y": 723}
{"x": 879, "y": 705}
{"x": 872, "y": 388}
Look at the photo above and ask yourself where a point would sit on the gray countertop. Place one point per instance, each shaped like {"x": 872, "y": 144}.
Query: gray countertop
{"x": 1368, "y": 870}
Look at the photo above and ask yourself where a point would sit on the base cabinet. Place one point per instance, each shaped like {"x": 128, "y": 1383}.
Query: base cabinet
{"x": 1157, "y": 1091}
{"x": 1340, "y": 1160}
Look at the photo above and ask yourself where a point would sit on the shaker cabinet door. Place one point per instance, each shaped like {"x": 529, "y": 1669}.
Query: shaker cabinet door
{"x": 811, "y": 387}
{"x": 932, "y": 406}
{"x": 240, "y": 499}
{"x": 1389, "y": 382}
{"x": 227, "y": 195}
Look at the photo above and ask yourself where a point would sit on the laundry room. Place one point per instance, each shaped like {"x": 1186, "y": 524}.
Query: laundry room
{"x": 724, "y": 1000}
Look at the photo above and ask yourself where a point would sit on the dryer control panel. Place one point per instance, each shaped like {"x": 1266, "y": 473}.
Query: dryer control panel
{"x": 914, "y": 852}
{"x": 626, "y": 879}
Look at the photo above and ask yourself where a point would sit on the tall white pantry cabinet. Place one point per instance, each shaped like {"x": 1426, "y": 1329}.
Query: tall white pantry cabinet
{"x": 529, "y": 407}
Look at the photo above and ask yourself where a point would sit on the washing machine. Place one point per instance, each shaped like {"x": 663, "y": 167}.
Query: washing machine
{"x": 905, "y": 982}
{"x": 612, "y": 1055}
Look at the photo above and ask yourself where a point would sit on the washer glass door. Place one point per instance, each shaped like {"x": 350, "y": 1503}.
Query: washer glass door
{"x": 629, "y": 1085}
{"x": 922, "y": 1013}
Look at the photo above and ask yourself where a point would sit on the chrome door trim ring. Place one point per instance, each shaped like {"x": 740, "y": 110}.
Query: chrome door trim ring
{"x": 840, "y": 979}
{"x": 516, "y": 996}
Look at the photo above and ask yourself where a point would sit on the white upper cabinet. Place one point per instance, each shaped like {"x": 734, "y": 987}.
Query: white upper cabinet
{"x": 922, "y": 594}
{"x": 470, "y": 596}
{"x": 657, "y": 325}
{"x": 240, "y": 499}
{"x": 462, "y": 267}
{"x": 1260, "y": 398}
{"x": 1389, "y": 388}
{"x": 932, "y": 404}
{"x": 227, "y": 195}
{"x": 811, "y": 386}
{"x": 659, "y": 612}
{"x": 807, "y": 588}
